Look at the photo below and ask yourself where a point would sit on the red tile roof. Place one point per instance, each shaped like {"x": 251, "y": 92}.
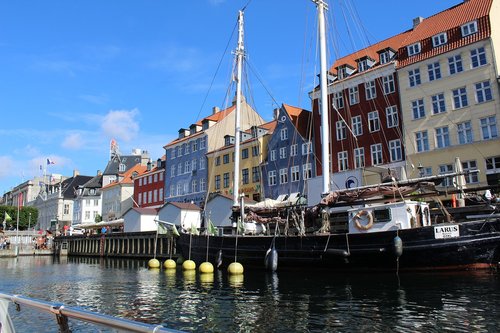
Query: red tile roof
{"x": 301, "y": 119}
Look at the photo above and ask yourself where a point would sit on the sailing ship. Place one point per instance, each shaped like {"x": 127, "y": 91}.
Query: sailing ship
{"x": 383, "y": 227}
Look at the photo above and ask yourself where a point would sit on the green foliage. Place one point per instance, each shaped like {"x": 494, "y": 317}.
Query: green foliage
{"x": 98, "y": 218}
{"x": 24, "y": 216}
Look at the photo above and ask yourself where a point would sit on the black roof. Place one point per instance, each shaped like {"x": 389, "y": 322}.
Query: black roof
{"x": 69, "y": 186}
{"x": 128, "y": 160}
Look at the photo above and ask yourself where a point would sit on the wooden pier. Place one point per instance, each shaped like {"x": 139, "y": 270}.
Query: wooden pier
{"x": 119, "y": 245}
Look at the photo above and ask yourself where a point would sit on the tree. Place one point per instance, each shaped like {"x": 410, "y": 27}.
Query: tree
{"x": 24, "y": 216}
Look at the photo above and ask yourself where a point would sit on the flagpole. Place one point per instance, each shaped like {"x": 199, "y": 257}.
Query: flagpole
{"x": 17, "y": 227}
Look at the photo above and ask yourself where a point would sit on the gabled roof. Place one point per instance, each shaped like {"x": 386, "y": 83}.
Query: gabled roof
{"x": 69, "y": 186}
{"x": 184, "y": 205}
{"x": 128, "y": 176}
{"x": 450, "y": 20}
{"x": 216, "y": 117}
{"x": 113, "y": 166}
{"x": 301, "y": 119}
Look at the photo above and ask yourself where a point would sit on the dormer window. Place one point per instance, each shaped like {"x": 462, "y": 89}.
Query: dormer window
{"x": 469, "y": 28}
{"x": 414, "y": 49}
{"x": 365, "y": 64}
{"x": 386, "y": 56}
{"x": 439, "y": 39}
{"x": 344, "y": 71}
{"x": 228, "y": 140}
{"x": 92, "y": 191}
{"x": 121, "y": 167}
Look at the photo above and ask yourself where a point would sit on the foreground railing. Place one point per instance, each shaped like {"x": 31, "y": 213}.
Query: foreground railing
{"x": 63, "y": 313}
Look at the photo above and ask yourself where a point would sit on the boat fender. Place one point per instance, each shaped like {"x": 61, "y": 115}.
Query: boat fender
{"x": 357, "y": 220}
{"x": 398, "y": 246}
{"x": 271, "y": 259}
{"x": 337, "y": 253}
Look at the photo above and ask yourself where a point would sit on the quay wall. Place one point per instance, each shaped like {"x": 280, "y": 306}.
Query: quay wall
{"x": 118, "y": 245}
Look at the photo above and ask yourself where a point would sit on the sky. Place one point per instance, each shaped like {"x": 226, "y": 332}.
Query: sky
{"x": 76, "y": 74}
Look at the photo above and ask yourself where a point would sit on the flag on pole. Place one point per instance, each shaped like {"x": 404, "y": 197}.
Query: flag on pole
{"x": 212, "y": 230}
{"x": 7, "y": 217}
{"x": 162, "y": 228}
{"x": 49, "y": 161}
{"x": 194, "y": 229}
{"x": 175, "y": 231}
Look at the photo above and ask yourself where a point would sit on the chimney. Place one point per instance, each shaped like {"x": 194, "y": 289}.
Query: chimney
{"x": 99, "y": 172}
{"x": 149, "y": 165}
{"x": 215, "y": 109}
{"x": 276, "y": 113}
{"x": 76, "y": 173}
{"x": 417, "y": 21}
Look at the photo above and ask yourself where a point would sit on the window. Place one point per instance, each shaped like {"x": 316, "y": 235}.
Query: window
{"x": 438, "y": 104}
{"x": 488, "y": 128}
{"x": 373, "y": 121}
{"x": 145, "y": 179}
{"x": 172, "y": 153}
{"x": 244, "y": 153}
{"x": 179, "y": 190}
{"x": 389, "y": 86}
{"x": 255, "y": 151}
{"x": 225, "y": 159}
{"x": 217, "y": 182}
{"x": 469, "y": 28}
{"x": 422, "y": 141}
{"x": 203, "y": 185}
{"x": 434, "y": 71}
{"x": 186, "y": 149}
{"x": 179, "y": 151}
{"x": 478, "y": 57}
{"x": 186, "y": 188}
{"x": 306, "y": 148}
{"x": 203, "y": 142}
{"x": 66, "y": 209}
{"x": 225, "y": 179}
{"x": 194, "y": 186}
{"x": 395, "y": 150}
{"x": 194, "y": 165}
{"x": 470, "y": 178}
{"x": 357, "y": 127}
{"x": 145, "y": 195}
{"x": 187, "y": 166}
{"x": 439, "y": 39}
{"x": 376, "y": 151}
{"x": 363, "y": 65}
{"x": 161, "y": 176}
{"x": 444, "y": 169}
{"x": 307, "y": 171}
{"x": 150, "y": 196}
{"x": 139, "y": 200}
{"x": 245, "y": 176}
{"x": 140, "y": 181}
{"x": 172, "y": 190}
{"x": 342, "y": 160}
{"x": 271, "y": 178}
{"x": 493, "y": 164}
{"x": 442, "y": 137}
{"x": 338, "y": 100}
{"x": 391, "y": 115}
{"x": 460, "y": 98}
{"x": 414, "y": 77}
{"x": 87, "y": 215}
{"x": 255, "y": 174}
{"x": 122, "y": 167}
{"x": 341, "y": 130}
{"x": 464, "y": 131}
{"x": 273, "y": 155}
{"x": 359, "y": 157}
{"x": 483, "y": 92}
{"x": 294, "y": 150}
{"x": 370, "y": 90}
{"x": 155, "y": 195}
{"x": 155, "y": 178}
{"x": 283, "y": 176}
{"x": 283, "y": 152}
{"x": 194, "y": 145}
{"x": 353, "y": 95}
{"x": 455, "y": 64}
{"x": 203, "y": 162}
{"x": 295, "y": 173}
{"x": 160, "y": 193}
{"x": 217, "y": 160}
{"x": 385, "y": 57}
{"x": 284, "y": 134}
{"x": 413, "y": 49}
{"x": 418, "y": 109}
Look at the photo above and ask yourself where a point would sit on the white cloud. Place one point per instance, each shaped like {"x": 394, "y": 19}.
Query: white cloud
{"x": 121, "y": 124}
{"x": 73, "y": 141}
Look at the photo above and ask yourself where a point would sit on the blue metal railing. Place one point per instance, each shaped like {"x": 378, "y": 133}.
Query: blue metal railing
{"x": 63, "y": 313}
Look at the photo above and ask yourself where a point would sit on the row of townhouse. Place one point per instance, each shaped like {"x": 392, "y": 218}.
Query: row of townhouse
{"x": 416, "y": 101}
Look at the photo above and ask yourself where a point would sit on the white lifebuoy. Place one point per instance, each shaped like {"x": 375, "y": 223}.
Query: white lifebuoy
{"x": 357, "y": 220}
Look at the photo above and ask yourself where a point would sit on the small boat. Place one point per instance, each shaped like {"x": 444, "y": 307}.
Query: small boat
{"x": 384, "y": 227}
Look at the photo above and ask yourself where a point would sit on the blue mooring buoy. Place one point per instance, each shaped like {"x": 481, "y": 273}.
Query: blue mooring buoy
{"x": 398, "y": 246}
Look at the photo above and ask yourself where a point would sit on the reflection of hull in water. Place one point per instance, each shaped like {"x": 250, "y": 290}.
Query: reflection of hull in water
{"x": 476, "y": 247}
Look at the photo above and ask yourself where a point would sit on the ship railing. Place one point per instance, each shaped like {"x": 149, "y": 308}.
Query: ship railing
{"x": 64, "y": 313}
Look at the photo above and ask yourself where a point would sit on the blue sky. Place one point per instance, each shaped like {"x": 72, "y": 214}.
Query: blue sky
{"x": 75, "y": 74}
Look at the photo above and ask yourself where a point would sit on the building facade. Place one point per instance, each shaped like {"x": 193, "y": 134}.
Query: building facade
{"x": 149, "y": 186}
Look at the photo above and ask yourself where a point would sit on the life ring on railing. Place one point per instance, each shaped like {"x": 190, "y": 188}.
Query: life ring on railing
{"x": 357, "y": 220}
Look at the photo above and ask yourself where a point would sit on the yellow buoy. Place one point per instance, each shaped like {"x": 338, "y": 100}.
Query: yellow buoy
{"x": 235, "y": 268}
{"x": 153, "y": 263}
{"x": 206, "y": 267}
{"x": 169, "y": 264}
{"x": 188, "y": 265}
{"x": 189, "y": 276}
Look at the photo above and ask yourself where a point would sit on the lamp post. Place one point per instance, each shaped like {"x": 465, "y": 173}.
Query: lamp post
{"x": 29, "y": 221}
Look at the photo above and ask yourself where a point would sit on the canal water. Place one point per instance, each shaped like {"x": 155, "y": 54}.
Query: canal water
{"x": 291, "y": 301}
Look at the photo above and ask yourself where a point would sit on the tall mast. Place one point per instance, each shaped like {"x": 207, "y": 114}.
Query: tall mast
{"x": 325, "y": 125}
{"x": 237, "y": 136}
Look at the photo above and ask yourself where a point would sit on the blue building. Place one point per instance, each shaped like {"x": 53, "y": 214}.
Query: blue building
{"x": 290, "y": 158}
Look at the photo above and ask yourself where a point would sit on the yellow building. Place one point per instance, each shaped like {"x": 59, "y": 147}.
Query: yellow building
{"x": 449, "y": 92}
{"x": 253, "y": 151}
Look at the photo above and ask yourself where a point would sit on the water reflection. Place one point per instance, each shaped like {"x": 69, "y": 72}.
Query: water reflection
{"x": 256, "y": 301}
